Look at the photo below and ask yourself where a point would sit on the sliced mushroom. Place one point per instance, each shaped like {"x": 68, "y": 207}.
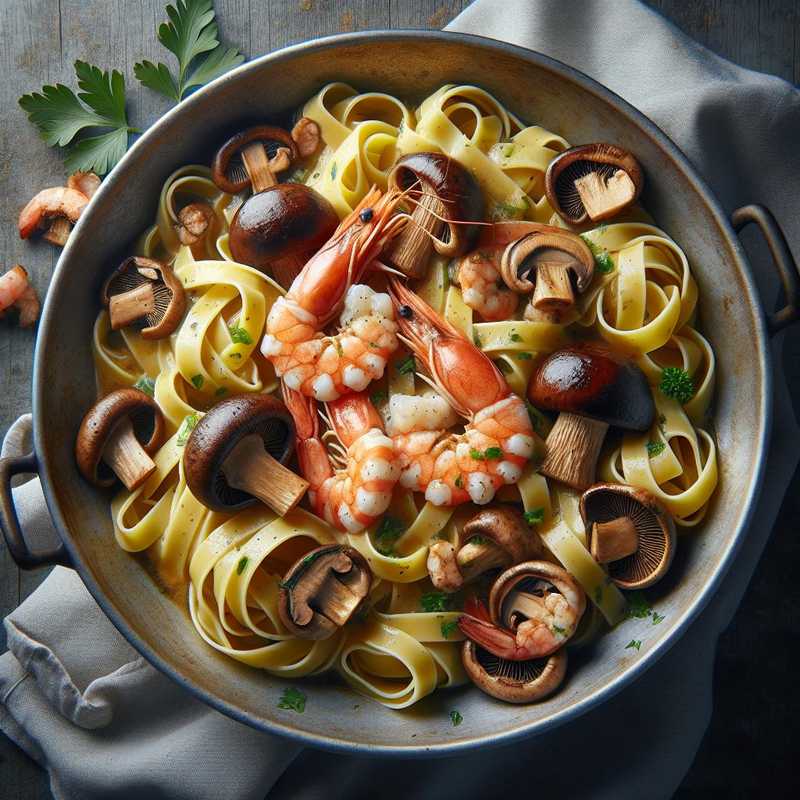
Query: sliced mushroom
{"x": 323, "y": 590}
{"x": 446, "y": 198}
{"x": 253, "y": 157}
{"x": 307, "y": 137}
{"x": 592, "y": 388}
{"x": 514, "y": 681}
{"x": 236, "y": 453}
{"x": 54, "y": 210}
{"x": 146, "y": 291}
{"x": 554, "y": 265}
{"x": 112, "y": 432}
{"x": 592, "y": 180}
{"x": 630, "y": 532}
{"x": 194, "y": 221}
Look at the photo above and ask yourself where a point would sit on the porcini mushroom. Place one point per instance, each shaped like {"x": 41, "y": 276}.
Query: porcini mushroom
{"x": 236, "y": 453}
{"x": 112, "y": 432}
{"x": 323, "y": 590}
{"x": 554, "y": 265}
{"x": 446, "y": 196}
{"x": 629, "y": 531}
{"x": 146, "y": 291}
{"x": 514, "y": 681}
{"x": 594, "y": 181}
{"x": 592, "y": 388}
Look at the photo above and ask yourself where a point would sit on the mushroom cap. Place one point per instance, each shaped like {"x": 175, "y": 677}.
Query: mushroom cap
{"x": 506, "y": 527}
{"x": 521, "y": 259}
{"x": 286, "y": 220}
{"x": 454, "y": 185}
{"x": 170, "y": 298}
{"x": 100, "y": 421}
{"x": 514, "y": 681}
{"x": 301, "y": 611}
{"x": 216, "y": 435}
{"x": 573, "y": 164}
{"x": 228, "y": 171}
{"x": 604, "y": 502}
{"x": 591, "y": 380}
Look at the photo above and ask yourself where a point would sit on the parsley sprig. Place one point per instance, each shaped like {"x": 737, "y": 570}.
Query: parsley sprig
{"x": 293, "y": 700}
{"x": 677, "y": 383}
{"x": 602, "y": 260}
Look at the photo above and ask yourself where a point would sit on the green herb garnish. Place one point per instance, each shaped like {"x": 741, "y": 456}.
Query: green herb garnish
{"x": 655, "y": 449}
{"x": 60, "y": 115}
{"x": 523, "y": 356}
{"x": 146, "y": 384}
{"x": 657, "y": 618}
{"x": 192, "y": 36}
{"x": 293, "y": 700}
{"x": 677, "y": 383}
{"x": 448, "y": 628}
{"x": 198, "y": 381}
{"x": 456, "y": 718}
{"x": 241, "y": 565}
{"x": 239, "y": 335}
{"x": 387, "y": 533}
{"x": 407, "y": 366}
{"x": 559, "y": 630}
{"x": 476, "y": 454}
{"x": 602, "y": 260}
{"x": 376, "y": 398}
{"x": 435, "y": 601}
{"x": 503, "y": 210}
{"x": 535, "y": 516}
{"x": 186, "y": 428}
{"x": 493, "y": 453}
{"x": 638, "y": 606}
{"x": 634, "y": 644}
{"x": 515, "y": 337}
{"x": 221, "y": 391}
{"x": 476, "y": 340}
{"x": 459, "y": 482}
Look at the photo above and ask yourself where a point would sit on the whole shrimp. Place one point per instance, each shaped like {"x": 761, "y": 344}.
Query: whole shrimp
{"x": 350, "y": 498}
{"x": 327, "y": 367}
{"x": 498, "y": 438}
{"x": 482, "y": 286}
{"x": 537, "y": 620}
{"x": 13, "y": 285}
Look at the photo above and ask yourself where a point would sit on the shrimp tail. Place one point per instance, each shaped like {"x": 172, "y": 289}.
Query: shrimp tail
{"x": 311, "y": 453}
{"x": 497, "y": 641}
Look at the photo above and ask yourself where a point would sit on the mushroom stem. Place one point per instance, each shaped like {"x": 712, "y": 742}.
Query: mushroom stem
{"x": 573, "y": 447}
{"x": 602, "y": 196}
{"x": 126, "y": 307}
{"x": 338, "y": 601}
{"x": 251, "y": 469}
{"x": 553, "y": 290}
{"x": 127, "y": 457}
{"x": 58, "y": 232}
{"x": 411, "y": 250}
{"x": 614, "y": 540}
{"x": 256, "y": 162}
{"x": 476, "y": 558}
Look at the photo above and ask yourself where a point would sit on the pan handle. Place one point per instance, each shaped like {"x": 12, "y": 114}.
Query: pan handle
{"x": 24, "y": 557}
{"x": 788, "y": 270}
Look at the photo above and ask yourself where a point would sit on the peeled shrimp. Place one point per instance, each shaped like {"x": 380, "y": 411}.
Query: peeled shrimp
{"x": 482, "y": 285}
{"x": 12, "y": 286}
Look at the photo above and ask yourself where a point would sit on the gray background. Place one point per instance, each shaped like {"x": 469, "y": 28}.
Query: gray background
{"x": 749, "y": 747}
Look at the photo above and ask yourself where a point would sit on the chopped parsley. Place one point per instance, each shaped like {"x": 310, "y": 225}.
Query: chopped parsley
{"x": 476, "y": 340}
{"x": 655, "y": 449}
{"x": 633, "y": 644}
{"x": 523, "y": 356}
{"x": 602, "y": 260}
{"x": 677, "y": 383}
{"x": 293, "y": 700}
{"x": 221, "y": 391}
{"x": 534, "y": 516}
{"x": 186, "y": 428}
{"x": 376, "y": 398}
{"x": 198, "y": 381}
{"x": 638, "y": 607}
{"x": 407, "y": 366}
{"x": 657, "y": 618}
{"x": 539, "y": 421}
{"x": 559, "y": 630}
{"x": 388, "y": 532}
{"x": 239, "y": 335}
{"x": 489, "y": 454}
{"x": 435, "y": 601}
{"x": 515, "y": 337}
{"x": 459, "y": 482}
{"x": 146, "y": 384}
{"x": 456, "y": 718}
{"x": 241, "y": 565}
{"x": 448, "y": 628}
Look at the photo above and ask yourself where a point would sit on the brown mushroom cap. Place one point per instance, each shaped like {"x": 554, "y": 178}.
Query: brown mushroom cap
{"x": 594, "y": 181}
{"x": 228, "y": 170}
{"x": 461, "y": 197}
{"x": 101, "y": 420}
{"x": 607, "y": 503}
{"x": 323, "y": 590}
{"x": 514, "y": 681}
{"x": 219, "y": 432}
{"x": 284, "y": 221}
{"x": 142, "y": 289}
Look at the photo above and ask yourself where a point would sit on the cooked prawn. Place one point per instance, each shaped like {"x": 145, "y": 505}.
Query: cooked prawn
{"x": 12, "y": 286}
{"x": 498, "y": 440}
{"x": 355, "y": 495}
{"x": 482, "y": 286}
{"x": 327, "y": 367}
{"x": 58, "y": 201}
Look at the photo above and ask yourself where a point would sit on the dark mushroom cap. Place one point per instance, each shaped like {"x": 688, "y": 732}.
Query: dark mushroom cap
{"x": 216, "y": 435}
{"x": 506, "y": 527}
{"x": 170, "y": 298}
{"x": 306, "y": 602}
{"x": 604, "y": 502}
{"x": 573, "y": 164}
{"x": 286, "y": 220}
{"x": 591, "y": 380}
{"x": 228, "y": 171}
{"x": 454, "y": 185}
{"x": 100, "y": 421}
{"x": 514, "y": 681}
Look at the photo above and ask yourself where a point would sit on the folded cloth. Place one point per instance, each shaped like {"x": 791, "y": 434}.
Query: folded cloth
{"x": 81, "y": 702}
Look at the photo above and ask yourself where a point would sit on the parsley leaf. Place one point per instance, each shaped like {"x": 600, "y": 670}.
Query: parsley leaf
{"x": 535, "y": 516}
{"x": 241, "y": 565}
{"x": 515, "y": 337}
{"x": 198, "y": 381}
{"x": 634, "y": 644}
{"x": 239, "y": 335}
{"x": 407, "y": 365}
{"x": 448, "y": 628}
{"x": 655, "y": 449}
{"x": 435, "y": 601}
{"x": 638, "y": 607}
{"x": 388, "y": 532}
{"x": 376, "y": 398}
{"x": 456, "y": 718}
{"x": 293, "y": 700}
{"x": 192, "y": 36}
{"x": 493, "y": 453}
{"x": 459, "y": 482}
{"x": 657, "y": 618}
{"x": 60, "y": 115}
{"x": 523, "y": 356}
{"x": 146, "y": 384}
{"x": 186, "y": 428}
{"x": 677, "y": 383}
{"x": 602, "y": 260}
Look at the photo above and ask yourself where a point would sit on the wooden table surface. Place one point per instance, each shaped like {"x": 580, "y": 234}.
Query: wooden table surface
{"x": 754, "y": 731}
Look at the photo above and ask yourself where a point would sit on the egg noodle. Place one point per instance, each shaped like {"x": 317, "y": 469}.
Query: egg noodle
{"x": 232, "y": 564}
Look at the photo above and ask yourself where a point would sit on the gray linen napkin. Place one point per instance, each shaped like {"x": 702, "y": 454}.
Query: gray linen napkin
{"x": 86, "y": 714}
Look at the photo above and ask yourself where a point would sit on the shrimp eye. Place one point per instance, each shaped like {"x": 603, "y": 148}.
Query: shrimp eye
{"x": 366, "y": 215}
{"x": 405, "y": 312}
